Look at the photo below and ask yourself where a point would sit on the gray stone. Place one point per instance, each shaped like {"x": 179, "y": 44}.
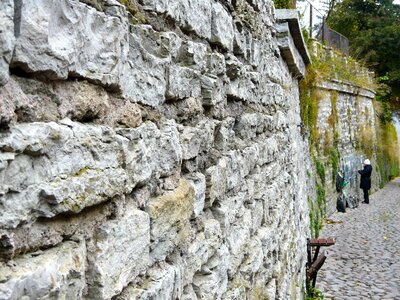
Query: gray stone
{"x": 222, "y": 26}
{"x": 6, "y": 38}
{"x": 56, "y": 273}
{"x": 118, "y": 252}
{"x": 183, "y": 83}
{"x": 162, "y": 285}
{"x": 144, "y": 77}
{"x": 212, "y": 90}
{"x": 62, "y": 39}
{"x": 170, "y": 219}
{"x": 216, "y": 64}
{"x": 211, "y": 281}
{"x": 198, "y": 182}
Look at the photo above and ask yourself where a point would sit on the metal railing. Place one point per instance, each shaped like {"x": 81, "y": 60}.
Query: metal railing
{"x": 333, "y": 39}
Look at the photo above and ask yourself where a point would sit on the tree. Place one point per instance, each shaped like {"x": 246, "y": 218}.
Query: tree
{"x": 373, "y": 29}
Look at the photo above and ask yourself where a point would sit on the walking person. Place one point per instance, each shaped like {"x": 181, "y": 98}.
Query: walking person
{"x": 365, "y": 183}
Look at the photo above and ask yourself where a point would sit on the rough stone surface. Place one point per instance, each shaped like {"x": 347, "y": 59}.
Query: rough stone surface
{"x": 6, "y": 38}
{"x": 57, "y": 273}
{"x": 63, "y": 38}
{"x": 164, "y": 134}
{"x": 118, "y": 253}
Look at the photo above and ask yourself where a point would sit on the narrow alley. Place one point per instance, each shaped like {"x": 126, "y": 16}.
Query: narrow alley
{"x": 365, "y": 261}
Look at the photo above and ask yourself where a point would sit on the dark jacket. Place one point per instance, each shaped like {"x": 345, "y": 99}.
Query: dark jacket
{"x": 365, "y": 183}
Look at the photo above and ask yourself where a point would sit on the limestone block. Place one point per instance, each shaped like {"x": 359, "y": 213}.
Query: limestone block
{"x": 225, "y": 134}
{"x": 254, "y": 259}
{"x": 216, "y": 64}
{"x": 268, "y": 151}
{"x": 162, "y": 284}
{"x": 59, "y": 38}
{"x": 6, "y": 38}
{"x": 238, "y": 238}
{"x": 211, "y": 281}
{"x": 56, "y": 273}
{"x": 247, "y": 124}
{"x": 118, "y": 252}
{"x": 222, "y": 26}
{"x": 139, "y": 151}
{"x": 202, "y": 248}
{"x": 155, "y": 43}
{"x": 228, "y": 209}
{"x": 11, "y": 99}
{"x": 193, "y": 55}
{"x": 190, "y": 15}
{"x": 144, "y": 78}
{"x": 170, "y": 219}
{"x": 216, "y": 178}
{"x": 189, "y": 293}
{"x": 183, "y": 83}
{"x": 207, "y": 128}
{"x": 76, "y": 193}
{"x": 212, "y": 90}
{"x": 198, "y": 182}
{"x": 168, "y": 150}
{"x": 190, "y": 140}
{"x": 57, "y": 168}
{"x": 233, "y": 66}
{"x": 246, "y": 87}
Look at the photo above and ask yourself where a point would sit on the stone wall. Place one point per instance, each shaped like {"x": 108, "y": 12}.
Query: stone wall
{"x": 150, "y": 150}
{"x": 352, "y": 107}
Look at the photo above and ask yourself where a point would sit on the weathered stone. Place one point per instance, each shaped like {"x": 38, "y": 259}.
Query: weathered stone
{"x": 170, "y": 215}
{"x": 222, "y": 26}
{"x": 61, "y": 39}
{"x": 118, "y": 252}
{"x": 56, "y": 273}
{"x": 168, "y": 150}
{"x": 216, "y": 177}
{"x": 198, "y": 182}
{"x": 145, "y": 78}
{"x": 211, "y": 281}
{"x": 224, "y": 134}
{"x": 183, "y": 83}
{"x": 193, "y": 55}
{"x": 12, "y": 100}
{"x": 216, "y": 64}
{"x": 190, "y": 139}
{"x": 6, "y": 38}
{"x": 163, "y": 284}
{"x": 212, "y": 90}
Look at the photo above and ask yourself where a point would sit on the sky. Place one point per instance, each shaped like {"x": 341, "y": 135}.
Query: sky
{"x": 303, "y": 7}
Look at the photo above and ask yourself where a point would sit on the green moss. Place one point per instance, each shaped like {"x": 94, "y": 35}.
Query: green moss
{"x": 82, "y": 171}
{"x": 281, "y": 4}
{"x": 136, "y": 16}
{"x": 320, "y": 170}
{"x": 334, "y": 157}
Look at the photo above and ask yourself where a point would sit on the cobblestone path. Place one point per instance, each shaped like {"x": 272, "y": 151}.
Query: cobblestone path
{"x": 365, "y": 261}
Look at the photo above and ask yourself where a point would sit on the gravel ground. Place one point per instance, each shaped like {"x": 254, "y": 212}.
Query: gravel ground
{"x": 365, "y": 261}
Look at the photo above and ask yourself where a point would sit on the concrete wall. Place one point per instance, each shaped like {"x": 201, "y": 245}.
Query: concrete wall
{"x": 152, "y": 152}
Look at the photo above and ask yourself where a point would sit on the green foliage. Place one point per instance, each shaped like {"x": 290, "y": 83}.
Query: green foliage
{"x": 334, "y": 157}
{"x": 373, "y": 29}
{"x": 320, "y": 170}
{"x": 280, "y": 4}
{"x": 387, "y": 144}
{"x": 313, "y": 294}
{"x": 332, "y": 64}
{"x": 136, "y": 16}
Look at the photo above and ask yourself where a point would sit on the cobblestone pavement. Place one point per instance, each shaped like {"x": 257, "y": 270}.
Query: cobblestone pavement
{"x": 365, "y": 261}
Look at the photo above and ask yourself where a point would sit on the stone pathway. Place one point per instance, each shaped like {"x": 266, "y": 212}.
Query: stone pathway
{"x": 365, "y": 261}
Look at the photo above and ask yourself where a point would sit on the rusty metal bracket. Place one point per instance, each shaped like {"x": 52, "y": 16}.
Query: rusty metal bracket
{"x": 315, "y": 263}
